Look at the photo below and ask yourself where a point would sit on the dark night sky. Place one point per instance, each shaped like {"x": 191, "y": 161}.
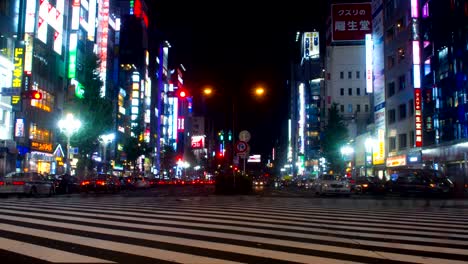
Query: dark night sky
{"x": 234, "y": 46}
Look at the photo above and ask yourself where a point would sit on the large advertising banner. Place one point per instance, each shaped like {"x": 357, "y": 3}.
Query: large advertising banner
{"x": 351, "y": 21}
{"x": 378, "y": 65}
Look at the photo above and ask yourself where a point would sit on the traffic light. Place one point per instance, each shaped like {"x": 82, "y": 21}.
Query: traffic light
{"x": 221, "y": 135}
{"x": 182, "y": 94}
{"x": 32, "y": 94}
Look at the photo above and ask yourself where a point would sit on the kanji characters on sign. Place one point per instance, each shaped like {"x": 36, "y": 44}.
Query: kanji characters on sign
{"x": 351, "y": 21}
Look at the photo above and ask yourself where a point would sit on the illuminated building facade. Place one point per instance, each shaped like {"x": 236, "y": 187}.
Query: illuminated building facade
{"x": 39, "y": 64}
{"x": 135, "y": 83}
{"x": 443, "y": 46}
{"x": 304, "y": 128}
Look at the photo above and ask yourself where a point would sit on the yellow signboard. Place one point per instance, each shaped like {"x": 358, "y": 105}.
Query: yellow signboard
{"x": 379, "y": 155}
{"x": 47, "y": 147}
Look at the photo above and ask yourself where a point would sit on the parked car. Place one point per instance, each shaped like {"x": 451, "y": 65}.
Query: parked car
{"x": 101, "y": 183}
{"x": 331, "y": 184}
{"x": 419, "y": 181}
{"x": 29, "y": 183}
{"x": 371, "y": 184}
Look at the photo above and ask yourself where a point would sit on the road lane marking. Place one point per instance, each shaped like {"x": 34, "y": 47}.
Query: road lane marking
{"x": 45, "y": 253}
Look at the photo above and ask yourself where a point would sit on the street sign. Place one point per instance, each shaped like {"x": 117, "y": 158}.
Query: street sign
{"x": 244, "y": 135}
{"x": 8, "y": 91}
{"x": 241, "y": 146}
{"x": 242, "y": 155}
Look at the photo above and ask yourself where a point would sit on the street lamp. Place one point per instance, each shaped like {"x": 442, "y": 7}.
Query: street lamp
{"x": 369, "y": 145}
{"x": 106, "y": 139}
{"x": 69, "y": 126}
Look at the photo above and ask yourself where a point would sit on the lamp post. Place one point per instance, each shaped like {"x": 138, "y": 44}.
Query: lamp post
{"x": 257, "y": 92}
{"x": 346, "y": 151}
{"x": 106, "y": 139}
{"x": 368, "y": 144}
{"x": 69, "y": 126}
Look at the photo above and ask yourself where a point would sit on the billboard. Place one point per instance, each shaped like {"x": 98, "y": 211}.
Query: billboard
{"x": 351, "y": 22}
{"x": 311, "y": 47}
{"x": 198, "y": 142}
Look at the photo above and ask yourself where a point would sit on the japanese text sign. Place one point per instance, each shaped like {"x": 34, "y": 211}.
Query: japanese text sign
{"x": 351, "y": 22}
{"x": 418, "y": 117}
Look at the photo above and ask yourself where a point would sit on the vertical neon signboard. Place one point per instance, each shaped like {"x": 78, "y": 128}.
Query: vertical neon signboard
{"x": 72, "y": 55}
{"x": 301, "y": 124}
{"x": 42, "y": 21}
{"x": 103, "y": 35}
{"x": 417, "y": 74}
{"x": 369, "y": 51}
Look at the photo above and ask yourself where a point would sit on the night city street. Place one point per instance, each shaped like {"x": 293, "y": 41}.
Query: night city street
{"x": 188, "y": 224}
{"x": 202, "y": 132}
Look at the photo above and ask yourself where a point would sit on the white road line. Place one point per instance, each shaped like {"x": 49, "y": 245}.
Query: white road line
{"x": 273, "y": 223}
{"x": 278, "y": 242}
{"x": 261, "y": 214}
{"x": 115, "y": 246}
{"x": 306, "y": 212}
{"x": 150, "y": 252}
{"x": 45, "y": 253}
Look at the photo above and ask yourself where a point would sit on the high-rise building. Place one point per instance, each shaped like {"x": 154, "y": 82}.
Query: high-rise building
{"x": 443, "y": 42}
{"x": 135, "y": 80}
{"x": 345, "y": 75}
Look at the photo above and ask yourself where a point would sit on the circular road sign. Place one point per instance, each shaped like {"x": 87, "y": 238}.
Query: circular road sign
{"x": 244, "y": 135}
{"x": 241, "y": 146}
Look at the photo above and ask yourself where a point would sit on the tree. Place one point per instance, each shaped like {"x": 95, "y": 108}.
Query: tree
{"x": 94, "y": 112}
{"x": 134, "y": 146}
{"x": 168, "y": 157}
{"x": 335, "y": 136}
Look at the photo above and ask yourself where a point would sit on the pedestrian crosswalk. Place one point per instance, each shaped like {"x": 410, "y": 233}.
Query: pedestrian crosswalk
{"x": 226, "y": 230}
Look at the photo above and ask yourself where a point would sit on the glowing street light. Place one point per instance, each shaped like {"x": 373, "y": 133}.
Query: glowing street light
{"x": 259, "y": 91}
{"x": 69, "y": 126}
{"x": 106, "y": 139}
{"x": 207, "y": 91}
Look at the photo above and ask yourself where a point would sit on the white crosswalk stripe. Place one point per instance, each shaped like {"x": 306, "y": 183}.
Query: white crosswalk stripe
{"x": 226, "y": 230}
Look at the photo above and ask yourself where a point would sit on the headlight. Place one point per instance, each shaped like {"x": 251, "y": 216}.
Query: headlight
{"x": 325, "y": 185}
{"x": 365, "y": 185}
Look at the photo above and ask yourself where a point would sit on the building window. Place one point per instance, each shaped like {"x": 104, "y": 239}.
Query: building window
{"x": 342, "y": 108}
{"x": 392, "y": 143}
{"x": 350, "y": 91}
{"x": 401, "y": 82}
{"x": 401, "y": 54}
{"x": 366, "y": 108}
{"x": 390, "y": 61}
{"x": 390, "y": 89}
{"x": 358, "y": 108}
{"x": 341, "y": 75}
{"x": 391, "y": 116}
{"x": 358, "y": 74}
{"x": 411, "y": 139}
{"x": 402, "y": 110}
{"x": 358, "y": 91}
{"x": 350, "y": 108}
{"x": 350, "y": 75}
{"x": 342, "y": 91}
{"x": 390, "y": 34}
{"x": 410, "y": 108}
{"x": 402, "y": 141}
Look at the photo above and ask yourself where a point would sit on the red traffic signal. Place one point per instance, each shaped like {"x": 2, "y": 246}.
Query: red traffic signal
{"x": 36, "y": 95}
{"x": 182, "y": 94}
{"x": 32, "y": 94}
